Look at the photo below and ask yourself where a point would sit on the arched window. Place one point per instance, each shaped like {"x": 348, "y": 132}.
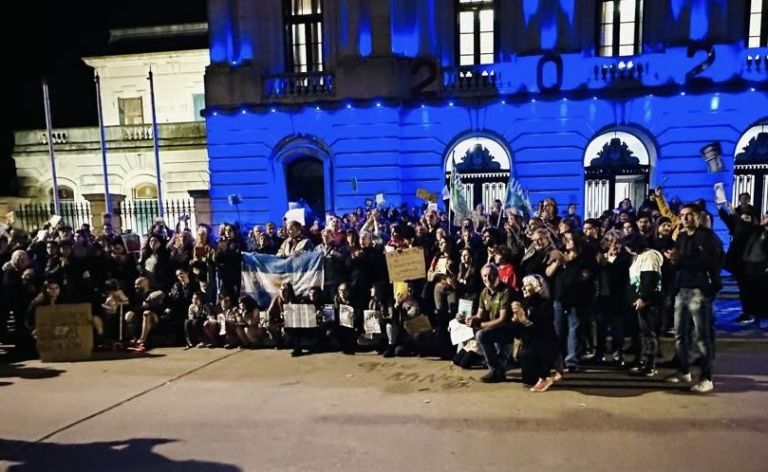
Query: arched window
{"x": 616, "y": 166}
{"x": 483, "y": 165}
{"x": 621, "y": 28}
{"x": 750, "y": 169}
{"x": 145, "y": 191}
{"x": 65, "y": 193}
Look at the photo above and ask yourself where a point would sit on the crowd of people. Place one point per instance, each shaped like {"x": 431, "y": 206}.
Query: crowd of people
{"x": 548, "y": 291}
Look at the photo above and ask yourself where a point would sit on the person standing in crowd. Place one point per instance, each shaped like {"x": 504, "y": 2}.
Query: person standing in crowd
{"x": 645, "y": 283}
{"x": 335, "y": 262}
{"x": 698, "y": 259}
{"x": 296, "y": 243}
{"x": 538, "y": 335}
{"x": 228, "y": 260}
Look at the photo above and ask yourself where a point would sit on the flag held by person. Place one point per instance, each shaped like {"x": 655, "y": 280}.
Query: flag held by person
{"x": 459, "y": 205}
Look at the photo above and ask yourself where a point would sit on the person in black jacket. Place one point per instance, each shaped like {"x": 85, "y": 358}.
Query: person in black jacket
{"x": 698, "y": 259}
{"x": 538, "y": 334}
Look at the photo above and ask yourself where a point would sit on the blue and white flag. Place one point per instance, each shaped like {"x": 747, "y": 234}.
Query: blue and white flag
{"x": 517, "y": 198}
{"x": 264, "y": 274}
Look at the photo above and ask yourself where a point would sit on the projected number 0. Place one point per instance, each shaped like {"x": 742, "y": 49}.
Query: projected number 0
{"x": 558, "y": 62}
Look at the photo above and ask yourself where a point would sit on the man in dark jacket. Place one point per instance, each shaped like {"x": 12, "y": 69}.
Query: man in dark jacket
{"x": 697, "y": 258}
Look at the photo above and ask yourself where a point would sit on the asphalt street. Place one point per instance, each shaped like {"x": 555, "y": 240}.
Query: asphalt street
{"x": 218, "y": 410}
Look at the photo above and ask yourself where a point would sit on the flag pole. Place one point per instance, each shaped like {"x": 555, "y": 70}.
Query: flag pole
{"x": 155, "y": 138}
{"x": 103, "y": 141}
{"x": 51, "y": 154}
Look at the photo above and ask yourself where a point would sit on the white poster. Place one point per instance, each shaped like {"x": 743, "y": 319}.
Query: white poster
{"x": 299, "y": 316}
{"x": 460, "y": 332}
{"x": 465, "y": 308}
{"x": 720, "y": 197}
{"x": 371, "y": 322}
{"x": 346, "y": 316}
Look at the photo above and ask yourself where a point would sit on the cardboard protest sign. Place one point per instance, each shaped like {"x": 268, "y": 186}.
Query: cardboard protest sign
{"x": 64, "y": 332}
{"x": 346, "y": 316}
{"x": 371, "y": 322}
{"x": 460, "y": 332}
{"x": 407, "y": 264}
{"x": 299, "y": 316}
{"x": 417, "y": 324}
{"x": 426, "y": 195}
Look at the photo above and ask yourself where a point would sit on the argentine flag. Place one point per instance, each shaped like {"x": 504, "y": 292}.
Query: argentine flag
{"x": 264, "y": 274}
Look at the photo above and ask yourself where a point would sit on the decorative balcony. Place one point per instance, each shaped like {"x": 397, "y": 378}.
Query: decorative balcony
{"x": 298, "y": 86}
{"x": 610, "y": 70}
{"x": 471, "y": 79}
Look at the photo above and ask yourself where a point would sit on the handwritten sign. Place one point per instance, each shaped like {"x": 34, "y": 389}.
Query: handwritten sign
{"x": 299, "y": 316}
{"x": 64, "y": 332}
{"x": 426, "y": 195}
{"x": 417, "y": 324}
{"x": 407, "y": 264}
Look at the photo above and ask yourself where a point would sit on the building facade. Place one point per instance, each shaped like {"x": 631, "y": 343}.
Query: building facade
{"x": 127, "y": 116}
{"x": 589, "y": 102}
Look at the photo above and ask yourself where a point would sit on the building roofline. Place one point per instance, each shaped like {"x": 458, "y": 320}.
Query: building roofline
{"x": 155, "y": 32}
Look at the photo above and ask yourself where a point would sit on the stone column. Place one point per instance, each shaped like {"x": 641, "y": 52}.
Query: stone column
{"x": 99, "y": 209}
{"x": 202, "y": 206}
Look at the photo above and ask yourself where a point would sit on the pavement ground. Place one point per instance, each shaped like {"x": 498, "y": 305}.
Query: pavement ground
{"x": 218, "y": 410}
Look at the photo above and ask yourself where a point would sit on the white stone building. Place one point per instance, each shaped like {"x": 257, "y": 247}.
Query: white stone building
{"x": 125, "y": 95}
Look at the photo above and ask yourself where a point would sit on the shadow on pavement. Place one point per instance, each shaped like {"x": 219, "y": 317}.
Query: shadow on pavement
{"x": 24, "y": 372}
{"x": 131, "y": 454}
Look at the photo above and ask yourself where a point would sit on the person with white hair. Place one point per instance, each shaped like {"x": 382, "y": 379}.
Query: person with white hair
{"x": 537, "y": 356}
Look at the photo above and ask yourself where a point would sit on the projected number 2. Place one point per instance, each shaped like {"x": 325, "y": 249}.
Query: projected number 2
{"x": 703, "y": 65}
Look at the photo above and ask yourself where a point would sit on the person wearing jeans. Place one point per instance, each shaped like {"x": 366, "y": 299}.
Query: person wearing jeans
{"x": 697, "y": 257}
{"x": 493, "y": 319}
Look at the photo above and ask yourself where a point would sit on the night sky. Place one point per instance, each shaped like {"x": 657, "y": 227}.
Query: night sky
{"x": 48, "y": 38}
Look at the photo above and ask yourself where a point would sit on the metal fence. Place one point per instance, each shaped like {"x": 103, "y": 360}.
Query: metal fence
{"x": 140, "y": 215}
{"x": 33, "y": 216}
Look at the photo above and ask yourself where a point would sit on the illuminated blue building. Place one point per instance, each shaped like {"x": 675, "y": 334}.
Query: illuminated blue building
{"x": 585, "y": 101}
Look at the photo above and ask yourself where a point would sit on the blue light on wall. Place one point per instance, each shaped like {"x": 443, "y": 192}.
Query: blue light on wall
{"x": 364, "y": 40}
{"x": 699, "y": 20}
{"x": 569, "y": 7}
{"x": 549, "y": 34}
{"x": 530, "y": 7}
{"x": 677, "y": 6}
{"x": 405, "y": 31}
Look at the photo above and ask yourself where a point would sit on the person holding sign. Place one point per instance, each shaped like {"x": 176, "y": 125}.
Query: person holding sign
{"x": 347, "y": 313}
{"x": 379, "y": 316}
{"x": 303, "y": 322}
{"x": 496, "y": 332}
